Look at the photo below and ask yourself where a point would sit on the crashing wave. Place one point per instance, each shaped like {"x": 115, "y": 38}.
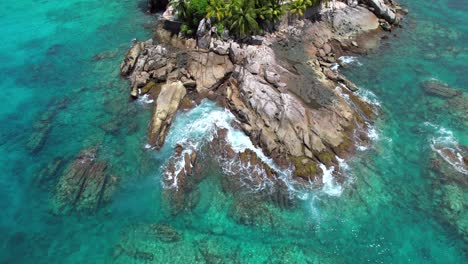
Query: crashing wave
{"x": 145, "y": 99}
{"x": 368, "y": 97}
{"x": 350, "y": 60}
{"x": 447, "y": 147}
{"x": 197, "y": 127}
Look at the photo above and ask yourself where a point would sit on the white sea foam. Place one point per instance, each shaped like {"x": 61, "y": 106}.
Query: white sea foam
{"x": 372, "y": 132}
{"x": 145, "y": 99}
{"x": 335, "y": 67}
{"x": 368, "y": 96}
{"x": 350, "y": 60}
{"x": 199, "y": 125}
{"x": 444, "y": 141}
{"x": 330, "y": 187}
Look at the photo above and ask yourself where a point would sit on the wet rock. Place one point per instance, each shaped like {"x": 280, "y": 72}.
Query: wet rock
{"x": 179, "y": 179}
{"x": 151, "y": 88}
{"x": 84, "y": 185}
{"x": 165, "y": 108}
{"x": 439, "y": 89}
{"x": 131, "y": 58}
{"x": 382, "y": 10}
{"x": 385, "y": 25}
{"x": 306, "y": 169}
{"x": 289, "y": 108}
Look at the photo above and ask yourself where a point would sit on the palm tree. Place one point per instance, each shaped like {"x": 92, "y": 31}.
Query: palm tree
{"x": 181, "y": 6}
{"x": 243, "y": 20}
{"x": 270, "y": 11}
{"x": 216, "y": 8}
{"x": 298, "y": 7}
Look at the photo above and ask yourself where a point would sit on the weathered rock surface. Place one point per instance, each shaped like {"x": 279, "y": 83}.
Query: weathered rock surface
{"x": 382, "y": 10}
{"x": 350, "y": 21}
{"x": 130, "y": 59}
{"x": 84, "y": 185}
{"x": 283, "y": 91}
{"x": 164, "y": 110}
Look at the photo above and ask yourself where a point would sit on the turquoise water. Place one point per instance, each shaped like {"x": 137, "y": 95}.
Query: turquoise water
{"x": 390, "y": 208}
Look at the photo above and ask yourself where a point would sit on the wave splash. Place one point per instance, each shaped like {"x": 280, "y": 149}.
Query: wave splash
{"x": 447, "y": 147}
{"x": 197, "y": 127}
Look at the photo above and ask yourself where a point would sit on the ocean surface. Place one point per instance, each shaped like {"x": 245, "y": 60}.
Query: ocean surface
{"x": 61, "y": 93}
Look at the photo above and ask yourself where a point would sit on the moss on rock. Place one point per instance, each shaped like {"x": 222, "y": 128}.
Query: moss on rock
{"x": 305, "y": 168}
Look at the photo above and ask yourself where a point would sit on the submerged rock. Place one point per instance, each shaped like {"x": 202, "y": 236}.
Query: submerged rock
{"x": 84, "y": 185}
{"x": 439, "y": 89}
{"x": 165, "y": 233}
{"x": 450, "y": 185}
{"x": 43, "y": 126}
{"x": 179, "y": 179}
{"x": 49, "y": 172}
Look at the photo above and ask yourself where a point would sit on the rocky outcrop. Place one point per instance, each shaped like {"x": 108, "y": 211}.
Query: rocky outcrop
{"x": 179, "y": 179}
{"x": 166, "y": 106}
{"x": 247, "y": 173}
{"x": 130, "y": 59}
{"x": 285, "y": 90}
{"x": 348, "y": 21}
{"x": 84, "y": 185}
{"x": 382, "y": 10}
{"x": 208, "y": 69}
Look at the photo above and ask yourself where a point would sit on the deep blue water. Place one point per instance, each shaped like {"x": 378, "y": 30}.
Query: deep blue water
{"x": 392, "y": 210}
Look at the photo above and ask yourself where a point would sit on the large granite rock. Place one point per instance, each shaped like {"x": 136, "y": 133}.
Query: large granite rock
{"x": 284, "y": 92}
{"x": 208, "y": 69}
{"x": 382, "y": 10}
{"x": 350, "y": 21}
{"x": 131, "y": 58}
{"x": 164, "y": 110}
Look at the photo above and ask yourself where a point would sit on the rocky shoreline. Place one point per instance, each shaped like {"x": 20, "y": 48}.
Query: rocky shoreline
{"x": 283, "y": 88}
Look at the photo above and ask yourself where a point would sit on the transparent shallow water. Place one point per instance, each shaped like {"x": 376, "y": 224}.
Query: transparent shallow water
{"x": 387, "y": 212}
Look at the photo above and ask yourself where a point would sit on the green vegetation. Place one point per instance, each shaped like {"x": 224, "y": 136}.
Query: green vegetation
{"x": 241, "y": 17}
